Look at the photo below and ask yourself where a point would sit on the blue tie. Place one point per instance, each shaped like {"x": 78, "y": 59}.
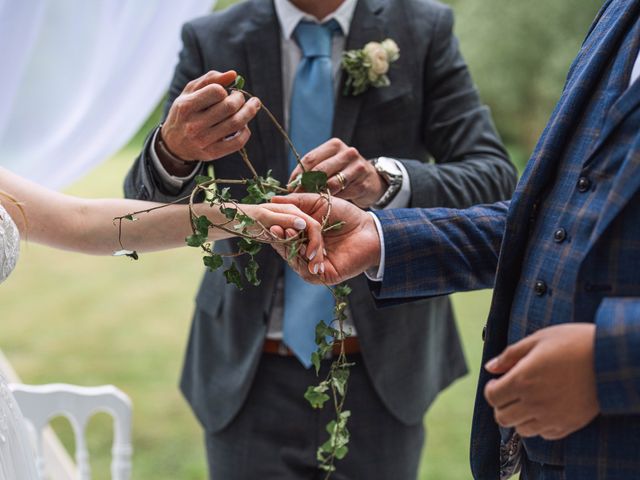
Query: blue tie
{"x": 310, "y": 120}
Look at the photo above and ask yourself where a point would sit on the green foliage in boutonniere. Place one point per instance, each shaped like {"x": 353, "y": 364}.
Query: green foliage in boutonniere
{"x": 368, "y": 66}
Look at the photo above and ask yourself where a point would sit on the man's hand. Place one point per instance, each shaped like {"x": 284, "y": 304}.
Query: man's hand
{"x": 351, "y": 176}
{"x": 548, "y": 387}
{"x": 205, "y": 122}
{"x": 351, "y": 248}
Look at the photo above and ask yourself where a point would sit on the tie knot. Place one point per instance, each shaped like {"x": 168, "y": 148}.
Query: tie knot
{"x": 315, "y": 39}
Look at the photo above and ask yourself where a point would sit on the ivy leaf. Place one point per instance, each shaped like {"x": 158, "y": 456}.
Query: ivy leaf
{"x": 200, "y": 179}
{"x": 314, "y": 182}
{"x": 130, "y": 217}
{"x": 232, "y": 274}
{"x": 213, "y": 261}
{"x": 224, "y": 194}
{"x": 339, "y": 380}
{"x": 316, "y": 396}
{"x": 196, "y": 240}
{"x": 230, "y": 213}
{"x": 293, "y": 250}
{"x": 244, "y": 221}
{"x": 341, "y": 452}
{"x": 238, "y": 83}
{"x": 251, "y": 272}
{"x": 255, "y": 194}
{"x": 202, "y": 225}
{"x": 315, "y": 361}
{"x": 250, "y": 247}
{"x": 342, "y": 290}
{"x": 295, "y": 183}
{"x": 126, "y": 253}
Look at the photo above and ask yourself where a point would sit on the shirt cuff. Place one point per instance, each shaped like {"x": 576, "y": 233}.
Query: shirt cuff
{"x": 170, "y": 180}
{"x": 373, "y": 274}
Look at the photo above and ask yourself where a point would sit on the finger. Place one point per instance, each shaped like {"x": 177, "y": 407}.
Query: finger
{"x": 530, "y": 428}
{"x": 310, "y": 203}
{"x": 511, "y": 356}
{"x": 277, "y": 230}
{"x": 209, "y": 78}
{"x": 318, "y": 155}
{"x": 513, "y": 414}
{"x": 227, "y": 146}
{"x": 500, "y": 393}
{"x": 223, "y": 110}
{"x": 205, "y": 98}
{"x": 229, "y": 127}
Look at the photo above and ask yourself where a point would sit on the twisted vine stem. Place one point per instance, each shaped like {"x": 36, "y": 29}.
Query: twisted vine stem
{"x": 329, "y": 337}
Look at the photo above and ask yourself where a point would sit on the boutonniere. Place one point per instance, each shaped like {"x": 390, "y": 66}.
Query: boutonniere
{"x": 368, "y": 66}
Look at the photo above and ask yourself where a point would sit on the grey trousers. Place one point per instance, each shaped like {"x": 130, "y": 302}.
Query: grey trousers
{"x": 277, "y": 433}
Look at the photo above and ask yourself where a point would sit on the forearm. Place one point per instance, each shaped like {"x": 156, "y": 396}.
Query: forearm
{"x": 431, "y": 252}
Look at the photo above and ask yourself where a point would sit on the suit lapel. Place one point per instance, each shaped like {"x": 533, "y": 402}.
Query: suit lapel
{"x": 264, "y": 80}
{"x": 366, "y": 26}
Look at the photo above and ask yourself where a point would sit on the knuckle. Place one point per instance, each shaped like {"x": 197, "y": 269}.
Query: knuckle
{"x": 336, "y": 142}
{"x": 352, "y": 153}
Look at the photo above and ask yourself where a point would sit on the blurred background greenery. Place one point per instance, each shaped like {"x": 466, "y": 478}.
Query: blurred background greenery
{"x": 84, "y": 320}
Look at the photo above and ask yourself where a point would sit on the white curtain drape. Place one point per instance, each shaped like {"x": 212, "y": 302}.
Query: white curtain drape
{"x": 79, "y": 77}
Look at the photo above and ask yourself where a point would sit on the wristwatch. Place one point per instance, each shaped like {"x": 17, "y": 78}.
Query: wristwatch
{"x": 387, "y": 169}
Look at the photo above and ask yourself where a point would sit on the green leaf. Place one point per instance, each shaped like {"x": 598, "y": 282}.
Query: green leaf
{"x": 294, "y": 247}
{"x": 339, "y": 380}
{"x": 250, "y": 247}
{"x": 316, "y": 398}
{"x": 196, "y": 240}
{"x": 342, "y": 290}
{"x": 314, "y": 182}
{"x": 341, "y": 452}
{"x": 244, "y": 221}
{"x": 131, "y": 218}
{"x": 232, "y": 275}
{"x": 251, "y": 272}
{"x": 200, "y": 179}
{"x": 213, "y": 261}
{"x": 238, "y": 83}
{"x": 224, "y": 194}
{"x": 316, "y": 359}
{"x": 230, "y": 213}
{"x": 126, "y": 253}
{"x": 202, "y": 225}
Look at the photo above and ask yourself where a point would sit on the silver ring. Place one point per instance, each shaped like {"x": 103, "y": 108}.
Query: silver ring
{"x": 343, "y": 181}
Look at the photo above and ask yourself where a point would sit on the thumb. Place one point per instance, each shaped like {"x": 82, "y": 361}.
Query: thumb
{"x": 511, "y": 356}
{"x": 212, "y": 77}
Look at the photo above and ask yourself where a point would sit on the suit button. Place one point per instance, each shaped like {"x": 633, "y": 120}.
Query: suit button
{"x": 540, "y": 288}
{"x": 484, "y": 332}
{"x": 584, "y": 184}
{"x": 559, "y": 235}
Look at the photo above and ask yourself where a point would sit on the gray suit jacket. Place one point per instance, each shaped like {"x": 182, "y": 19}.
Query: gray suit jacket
{"x": 430, "y": 116}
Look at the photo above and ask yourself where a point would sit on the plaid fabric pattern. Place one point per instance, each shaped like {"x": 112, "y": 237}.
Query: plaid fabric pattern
{"x": 583, "y": 178}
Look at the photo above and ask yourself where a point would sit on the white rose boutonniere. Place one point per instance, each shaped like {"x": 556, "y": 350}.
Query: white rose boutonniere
{"x": 368, "y": 66}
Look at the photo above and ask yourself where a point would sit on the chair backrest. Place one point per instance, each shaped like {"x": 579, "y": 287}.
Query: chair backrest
{"x": 41, "y": 403}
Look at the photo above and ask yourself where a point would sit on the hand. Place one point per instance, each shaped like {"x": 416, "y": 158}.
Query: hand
{"x": 350, "y": 250}
{"x": 205, "y": 122}
{"x": 288, "y": 218}
{"x": 548, "y": 387}
{"x": 362, "y": 183}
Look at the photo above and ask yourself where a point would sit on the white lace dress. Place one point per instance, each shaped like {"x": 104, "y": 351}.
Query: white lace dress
{"x": 16, "y": 455}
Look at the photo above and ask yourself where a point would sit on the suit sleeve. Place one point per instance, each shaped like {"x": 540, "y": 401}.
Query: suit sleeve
{"x": 433, "y": 252}
{"x": 471, "y": 165}
{"x": 617, "y": 355}
{"x": 144, "y": 181}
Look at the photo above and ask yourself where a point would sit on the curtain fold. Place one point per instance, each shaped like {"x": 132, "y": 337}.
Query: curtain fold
{"x": 80, "y": 77}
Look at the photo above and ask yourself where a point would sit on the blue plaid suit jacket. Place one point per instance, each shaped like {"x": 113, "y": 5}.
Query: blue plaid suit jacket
{"x": 440, "y": 251}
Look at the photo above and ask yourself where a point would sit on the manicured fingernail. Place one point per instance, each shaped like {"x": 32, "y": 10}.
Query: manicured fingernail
{"x": 492, "y": 364}
{"x": 316, "y": 267}
{"x": 322, "y": 267}
{"x": 324, "y": 252}
{"x": 312, "y": 255}
{"x": 299, "y": 224}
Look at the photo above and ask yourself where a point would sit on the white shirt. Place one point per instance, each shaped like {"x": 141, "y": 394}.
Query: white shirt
{"x": 377, "y": 275}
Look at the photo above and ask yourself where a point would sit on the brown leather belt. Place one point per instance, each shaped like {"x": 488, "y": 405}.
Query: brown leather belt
{"x": 277, "y": 347}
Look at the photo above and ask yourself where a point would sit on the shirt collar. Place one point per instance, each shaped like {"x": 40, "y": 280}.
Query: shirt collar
{"x": 289, "y": 16}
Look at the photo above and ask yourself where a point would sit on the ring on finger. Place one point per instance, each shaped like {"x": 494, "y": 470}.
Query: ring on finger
{"x": 343, "y": 181}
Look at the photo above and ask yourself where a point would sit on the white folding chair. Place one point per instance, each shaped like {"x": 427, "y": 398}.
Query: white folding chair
{"x": 41, "y": 403}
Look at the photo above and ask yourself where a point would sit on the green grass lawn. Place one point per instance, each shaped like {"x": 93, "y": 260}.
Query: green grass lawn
{"x": 90, "y": 321}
